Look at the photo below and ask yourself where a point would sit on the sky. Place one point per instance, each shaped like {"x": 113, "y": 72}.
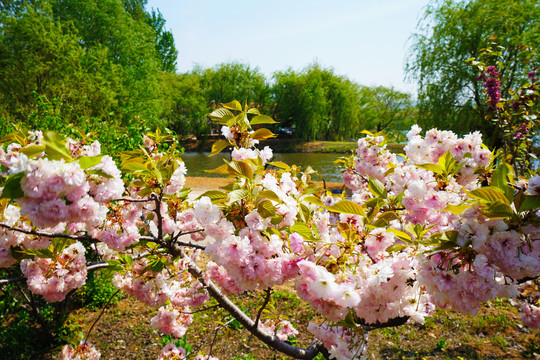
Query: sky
{"x": 364, "y": 40}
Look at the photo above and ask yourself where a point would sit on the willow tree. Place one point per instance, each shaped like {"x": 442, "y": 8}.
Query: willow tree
{"x": 449, "y": 33}
{"x": 317, "y": 103}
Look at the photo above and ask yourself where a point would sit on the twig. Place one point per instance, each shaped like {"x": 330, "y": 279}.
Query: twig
{"x": 12, "y": 280}
{"x": 191, "y": 244}
{"x": 198, "y": 311}
{"x": 49, "y": 235}
{"x": 100, "y": 314}
{"x": 266, "y": 300}
{"x": 134, "y": 200}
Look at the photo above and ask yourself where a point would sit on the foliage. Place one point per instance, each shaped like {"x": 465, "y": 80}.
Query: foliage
{"x": 228, "y": 81}
{"x": 41, "y": 57}
{"x": 515, "y": 117}
{"x": 185, "y": 103}
{"x": 90, "y": 60}
{"x": 317, "y": 104}
{"x": 450, "y": 95}
{"x": 386, "y": 109}
{"x": 98, "y": 291}
{"x": 449, "y": 226}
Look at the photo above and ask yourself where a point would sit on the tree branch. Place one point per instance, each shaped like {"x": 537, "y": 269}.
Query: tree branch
{"x": 266, "y": 300}
{"x": 49, "y": 235}
{"x": 246, "y": 321}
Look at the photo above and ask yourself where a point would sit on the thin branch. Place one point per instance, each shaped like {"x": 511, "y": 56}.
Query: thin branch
{"x": 48, "y": 235}
{"x": 198, "y": 311}
{"x": 11, "y": 281}
{"x": 35, "y": 312}
{"x": 100, "y": 314}
{"x": 159, "y": 215}
{"x": 191, "y": 244}
{"x": 134, "y": 200}
{"x": 216, "y": 331}
{"x": 266, "y": 300}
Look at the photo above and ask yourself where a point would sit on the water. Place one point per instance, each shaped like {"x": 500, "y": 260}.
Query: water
{"x": 197, "y": 163}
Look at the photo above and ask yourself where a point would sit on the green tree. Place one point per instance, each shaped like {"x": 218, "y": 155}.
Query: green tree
{"x": 129, "y": 43}
{"x": 164, "y": 41}
{"x": 41, "y": 58}
{"x": 317, "y": 103}
{"x": 385, "y": 108}
{"x": 450, "y": 95}
{"x": 184, "y": 103}
{"x": 235, "y": 81}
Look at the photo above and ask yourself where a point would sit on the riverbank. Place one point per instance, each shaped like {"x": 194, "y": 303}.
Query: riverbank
{"x": 199, "y": 185}
{"x": 287, "y": 145}
{"x": 280, "y": 145}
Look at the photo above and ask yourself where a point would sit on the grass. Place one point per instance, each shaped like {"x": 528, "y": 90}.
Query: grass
{"x": 124, "y": 332}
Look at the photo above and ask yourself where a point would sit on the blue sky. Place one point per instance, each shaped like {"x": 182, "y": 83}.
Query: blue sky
{"x": 365, "y": 40}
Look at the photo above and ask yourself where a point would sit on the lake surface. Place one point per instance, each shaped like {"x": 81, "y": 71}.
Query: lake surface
{"x": 197, "y": 163}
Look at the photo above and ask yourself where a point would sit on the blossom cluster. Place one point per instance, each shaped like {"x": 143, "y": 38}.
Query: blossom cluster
{"x": 54, "y": 278}
{"x": 342, "y": 342}
{"x": 436, "y": 227}
{"x": 492, "y": 249}
{"x": 83, "y": 351}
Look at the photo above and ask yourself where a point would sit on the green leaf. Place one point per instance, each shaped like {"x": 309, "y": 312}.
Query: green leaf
{"x": 431, "y": 167}
{"x": 266, "y": 209}
{"x": 268, "y": 194}
{"x": 303, "y": 212}
{"x": 276, "y": 220}
{"x": 396, "y": 247}
{"x": 99, "y": 172}
{"x": 12, "y": 187}
{"x": 311, "y": 189}
{"x": 237, "y": 195}
{"x": 156, "y": 266}
{"x": 349, "y": 321}
{"x": 303, "y": 229}
{"x": 44, "y": 254}
{"x": 254, "y": 111}
{"x": 59, "y": 244}
{"x": 214, "y": 195}
{"x": 456, "y": 209}
{"x": 446, "y": 162}
{"x": 498, "y": 210}
{"x": 241, "y": 168}
{"x": 280, "y": 164}
{"x": 55, "y": 147}
{"x": 402, "y": 235}
{"x": 114, "y": 265}
{"x": 33, "y": 150}
{"x": 125, "y": 258}
{"x": 233, "y": 105}
{"x": 489, "y": 194}
{"x": 262, "y": 119}
{"x": 450, "y": 235}
{"x": 530, "y": 202}
{"x": 312, "y": 199}
{"x": 499, "y": 179}
{"x": 86, "y": 162}
{"x": 223, "y": 169}
{"x": 220, "y": 114}
{"x": 377, "y": 187}
{"x": 134, "y": 165}
{"x": 262, "y": 134}
{"x": 346, "y": 207}
{"x": 384, "y": 219}
{"x": 218, "y": 146}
